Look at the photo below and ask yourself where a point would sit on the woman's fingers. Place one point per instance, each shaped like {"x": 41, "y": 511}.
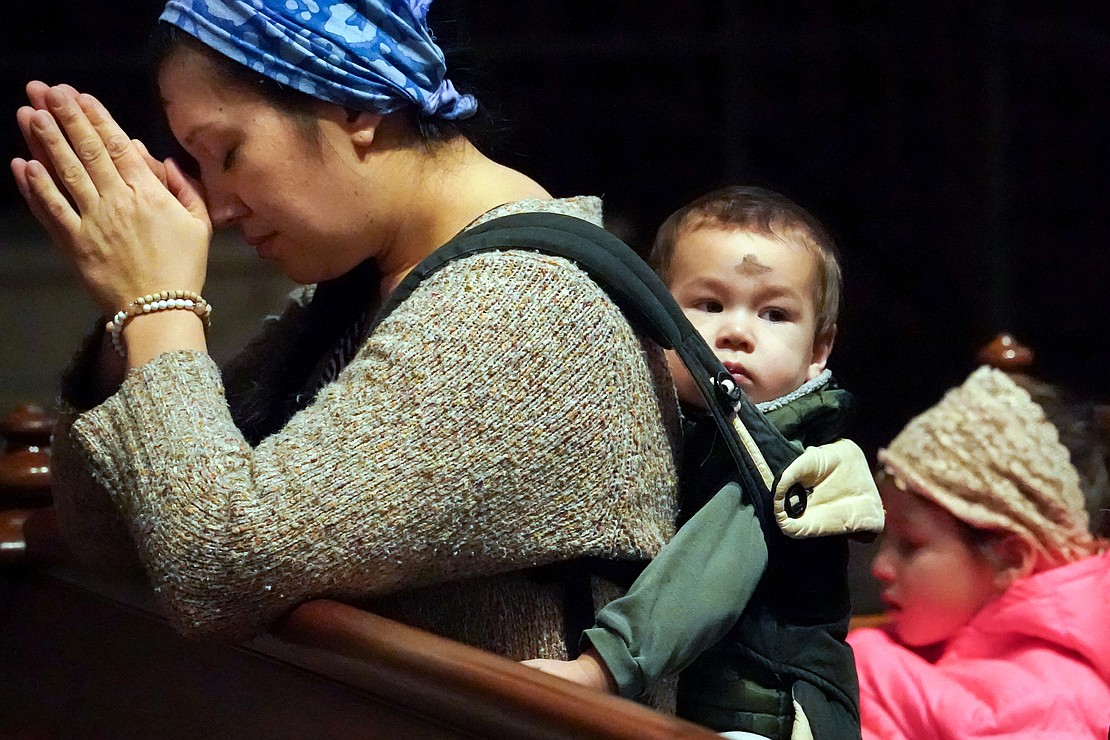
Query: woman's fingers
{"x": 130, "y": 222}
{"x": 156, "y": 165}
{"x": 19, "y": 172}
{"x": 45, "y": 200}
{"x": 23, "y": 118}
{"x": 98, "y": 148}
{"x": 84, "y": 149}
{"x": 187, "y": 191}
{"x": 36, "y": 96}
{"x": 68, "y": 169}
{"x": 127, "y": 159}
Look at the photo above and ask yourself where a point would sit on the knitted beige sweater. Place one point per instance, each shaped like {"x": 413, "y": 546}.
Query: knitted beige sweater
{"x": 504, "y": 416}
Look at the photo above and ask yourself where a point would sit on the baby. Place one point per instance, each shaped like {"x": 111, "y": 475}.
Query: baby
{"x": 759, "y": 279}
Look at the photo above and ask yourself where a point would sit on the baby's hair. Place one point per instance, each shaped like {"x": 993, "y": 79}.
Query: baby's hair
{"x": 767, "y": 213}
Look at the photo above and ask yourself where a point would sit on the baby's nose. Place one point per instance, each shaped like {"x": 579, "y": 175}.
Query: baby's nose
{"x": 735, "y": 332}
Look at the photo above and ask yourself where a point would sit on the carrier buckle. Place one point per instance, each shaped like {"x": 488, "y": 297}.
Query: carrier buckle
{"x": 796, "y": 500}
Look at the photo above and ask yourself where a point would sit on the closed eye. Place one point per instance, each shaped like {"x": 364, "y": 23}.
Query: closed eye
{"x": 229, "y": 158}
{"x": 907, "y": 546}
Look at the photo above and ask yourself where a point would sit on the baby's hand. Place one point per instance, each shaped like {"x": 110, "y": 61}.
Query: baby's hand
{"x": 587, "y": 670}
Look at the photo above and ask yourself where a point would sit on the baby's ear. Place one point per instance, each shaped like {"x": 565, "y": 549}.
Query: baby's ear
{"x": 822, "y": 348}
{"x": 1014, "y": 558}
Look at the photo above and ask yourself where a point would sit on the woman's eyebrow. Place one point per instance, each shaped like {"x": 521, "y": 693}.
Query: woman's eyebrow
{"x": 190, "y": 138}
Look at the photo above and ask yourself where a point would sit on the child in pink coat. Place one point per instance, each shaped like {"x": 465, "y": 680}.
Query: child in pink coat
{"x": 998, "y": 596}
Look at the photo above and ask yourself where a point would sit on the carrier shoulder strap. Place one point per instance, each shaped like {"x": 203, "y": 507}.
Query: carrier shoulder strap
{"x": 761, "y": 453}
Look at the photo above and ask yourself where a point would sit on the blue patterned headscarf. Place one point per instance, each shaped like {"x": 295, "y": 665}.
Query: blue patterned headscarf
{"x": 373, "y": 55}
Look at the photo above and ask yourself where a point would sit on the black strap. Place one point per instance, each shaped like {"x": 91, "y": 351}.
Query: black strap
{"x": 649, "y": 306}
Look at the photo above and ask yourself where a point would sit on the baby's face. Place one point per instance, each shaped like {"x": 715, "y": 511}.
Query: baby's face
{"x": 934, "y": 580}
{"x": 753, "y": 299}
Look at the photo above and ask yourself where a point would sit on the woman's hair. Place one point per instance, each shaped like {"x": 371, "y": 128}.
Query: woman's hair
{"x": 764, "y": 212}
{"x": 430, "y": 130}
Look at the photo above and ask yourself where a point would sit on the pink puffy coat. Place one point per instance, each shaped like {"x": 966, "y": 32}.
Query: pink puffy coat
{"x": 1033, "y": 664}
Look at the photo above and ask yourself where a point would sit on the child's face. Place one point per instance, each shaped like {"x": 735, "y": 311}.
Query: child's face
{"x": 753, "y": 299}
{"x": 934, "y": 580}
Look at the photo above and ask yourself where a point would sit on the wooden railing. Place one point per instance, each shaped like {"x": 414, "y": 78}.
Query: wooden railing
{"x": 486, "y": 694}
{"x": 82, "y": 655}
{"x": 85, "y": 654}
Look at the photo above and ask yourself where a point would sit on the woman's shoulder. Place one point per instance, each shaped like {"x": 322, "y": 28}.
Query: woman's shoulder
{"x": 518, "y": 270}
{"x": 585, "y": 207}
{"x": 517, "y": 284}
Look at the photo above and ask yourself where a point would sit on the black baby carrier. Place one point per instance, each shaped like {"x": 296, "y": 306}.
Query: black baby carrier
{"x": 787, "y": 654}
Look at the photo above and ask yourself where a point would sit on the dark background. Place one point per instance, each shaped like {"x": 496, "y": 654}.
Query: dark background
{"x": 957, "y": 150}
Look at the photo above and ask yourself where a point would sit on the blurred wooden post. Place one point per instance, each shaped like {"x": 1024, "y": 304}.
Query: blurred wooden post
{"x": 1007, "y": 354}
{"x": 25, "y": 460}
{"x": 28, "y": 527}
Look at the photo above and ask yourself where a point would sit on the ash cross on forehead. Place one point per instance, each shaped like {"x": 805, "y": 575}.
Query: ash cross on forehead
{"x": 751, "y": 265}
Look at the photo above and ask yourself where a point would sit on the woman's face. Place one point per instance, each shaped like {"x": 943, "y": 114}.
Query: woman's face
{"x": 284, "y": 185}
{"x": 934, "y": 580}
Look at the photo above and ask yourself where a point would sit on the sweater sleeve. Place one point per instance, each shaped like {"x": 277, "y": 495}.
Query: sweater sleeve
{"x": 686, "y": 599}
{"x": 504, "y": 416}
{"x": 88, "y": 517}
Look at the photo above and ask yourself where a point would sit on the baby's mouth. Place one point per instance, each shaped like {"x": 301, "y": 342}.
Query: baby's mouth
{"x": 738, "y": 373}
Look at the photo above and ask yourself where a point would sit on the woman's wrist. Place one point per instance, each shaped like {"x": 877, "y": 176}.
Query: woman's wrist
{"x": 148, "y": 335}
{"x": 164, "y": 300}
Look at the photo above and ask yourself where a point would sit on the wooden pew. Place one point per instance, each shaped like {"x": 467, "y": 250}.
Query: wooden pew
{"x": 82, "y": 655}
{"x": 86, "y": 654}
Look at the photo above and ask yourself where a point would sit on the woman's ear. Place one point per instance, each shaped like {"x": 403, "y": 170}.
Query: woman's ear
{"x": 362, "y": 126}
{"x": 359, "y": 127}
{"x": 1014, "y": 558}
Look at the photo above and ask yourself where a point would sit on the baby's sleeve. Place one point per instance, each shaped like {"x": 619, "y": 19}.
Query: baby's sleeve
{"x": 686, "y": 599}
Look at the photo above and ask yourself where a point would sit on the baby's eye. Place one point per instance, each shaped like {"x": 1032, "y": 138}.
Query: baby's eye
{"x": 775, "y": 315}
{"x": 709, "y": 306}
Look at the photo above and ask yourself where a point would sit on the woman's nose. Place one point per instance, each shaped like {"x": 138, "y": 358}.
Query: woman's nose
{"x": 224, "y": 208}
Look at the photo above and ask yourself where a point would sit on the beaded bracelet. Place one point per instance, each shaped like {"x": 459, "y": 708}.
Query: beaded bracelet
{"x": 166, "y": 300}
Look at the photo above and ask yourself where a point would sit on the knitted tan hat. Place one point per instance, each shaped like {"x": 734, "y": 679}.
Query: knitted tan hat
{"x": 987, "y": 454}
